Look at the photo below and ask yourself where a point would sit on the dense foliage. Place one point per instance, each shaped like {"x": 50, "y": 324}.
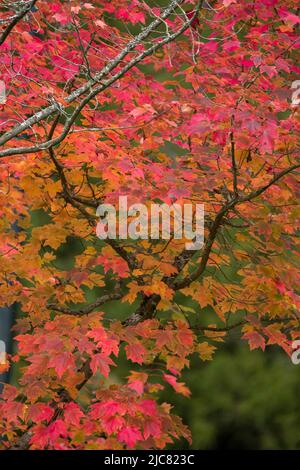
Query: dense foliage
{"x": 171, "y": 101}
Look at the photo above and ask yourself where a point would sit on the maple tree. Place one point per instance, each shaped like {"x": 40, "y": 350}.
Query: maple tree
{"x": 177, "y": 101}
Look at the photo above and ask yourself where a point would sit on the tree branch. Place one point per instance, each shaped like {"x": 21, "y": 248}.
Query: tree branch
{"x": 180, "y": 284}
{"x": 233, "y": 164}
{"x": 89, "y": 308}
{"x": 57, "y": 107}
{"x": 16, "y": 20}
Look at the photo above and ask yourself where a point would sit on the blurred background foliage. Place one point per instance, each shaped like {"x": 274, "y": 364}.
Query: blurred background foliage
{"x": 242, "y": 400}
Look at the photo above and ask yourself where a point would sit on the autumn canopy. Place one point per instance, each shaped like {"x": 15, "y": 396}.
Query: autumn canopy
{"x": 166, "y": 101}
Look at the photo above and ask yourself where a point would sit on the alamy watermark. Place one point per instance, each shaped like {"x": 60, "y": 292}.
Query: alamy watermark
{"x": 3, "y": 359}
{"x": 295, "y": 357}
{"x": 2, "y": 92}
{"x": 296, "y": 94}
{"x": 158, "y": 221}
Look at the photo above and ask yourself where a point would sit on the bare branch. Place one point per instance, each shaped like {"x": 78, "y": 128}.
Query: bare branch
{"x": 16, "y": 19}
{"x": 57, "y": 107}
{"x": 274, "y": 180}
{"x": 233, "y": 164}
{"x": 89, "y": 308}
